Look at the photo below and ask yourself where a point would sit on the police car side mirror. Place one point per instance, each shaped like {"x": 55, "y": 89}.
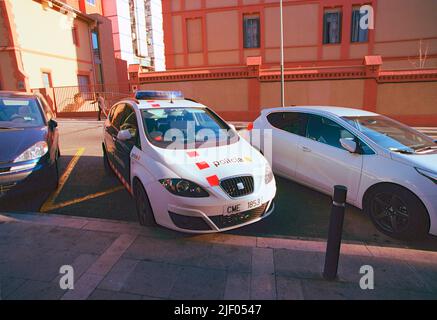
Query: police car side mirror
{"x": 124, "y": 135}
{"x": 349, "y": 145}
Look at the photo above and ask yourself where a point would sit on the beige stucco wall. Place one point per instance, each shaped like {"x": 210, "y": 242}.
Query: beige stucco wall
{"x": 400, "y": 24}
{"x": 221, "y": 95}
{"x": 46, "y": 43}
{"x": 405, "y": 19}
{"x": 298, "y": 24}
{"x": 347, "y": 93}
{"x": 408, "y": 64}
{"x": 232, "y": 95}
{"x": 221, "y": 28}
{"x": 418, "y": 98}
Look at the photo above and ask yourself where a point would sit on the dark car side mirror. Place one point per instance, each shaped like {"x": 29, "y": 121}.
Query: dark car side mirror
{"x": 52, "y": 124}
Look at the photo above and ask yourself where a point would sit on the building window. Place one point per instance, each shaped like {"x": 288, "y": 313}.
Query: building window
{"x": 75, "y": 36}
{"x": 332, "y": 26}
{"x": 251, "y": 30}
{"x": 97, "y": 56}
{"x": 194, "y": 35}
{"x": 358, "y": 34}
{"x": 47, "y": 79}
{"x": 91, "y": 2}
{"x": 84, "y": 83}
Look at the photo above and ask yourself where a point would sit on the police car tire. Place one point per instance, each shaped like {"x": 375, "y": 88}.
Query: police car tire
{"x": 144, "y": 209}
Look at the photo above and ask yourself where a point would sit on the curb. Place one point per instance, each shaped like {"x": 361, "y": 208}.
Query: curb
{"x": 317, "y": 246}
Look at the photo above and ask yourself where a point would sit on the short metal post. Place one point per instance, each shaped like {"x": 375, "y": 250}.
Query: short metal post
{"x": 335, "y": 233}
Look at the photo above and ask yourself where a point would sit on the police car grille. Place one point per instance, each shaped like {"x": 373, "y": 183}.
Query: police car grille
{"x": 239, "y": 218}
{"x": 230, "y": 186}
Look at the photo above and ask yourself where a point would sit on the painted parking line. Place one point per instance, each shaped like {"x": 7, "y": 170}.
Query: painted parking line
{"x": 51, "y": 200}
{"x": 82, "y": 199}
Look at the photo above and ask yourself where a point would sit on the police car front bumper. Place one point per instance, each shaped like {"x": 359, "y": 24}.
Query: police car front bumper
{"x": 216, "y": 213}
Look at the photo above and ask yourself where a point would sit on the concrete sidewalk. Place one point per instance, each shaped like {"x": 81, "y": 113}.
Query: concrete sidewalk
{"x": 119, "y": 260}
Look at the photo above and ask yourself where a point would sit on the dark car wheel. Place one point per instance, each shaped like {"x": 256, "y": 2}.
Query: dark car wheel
{"x": 397, "y": 212}
{"x": 144, "y": 210}
{"x": 108, "y": 169}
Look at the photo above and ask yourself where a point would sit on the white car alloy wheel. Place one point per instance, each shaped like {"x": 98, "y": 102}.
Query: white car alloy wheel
{"x": 397, "y": 212}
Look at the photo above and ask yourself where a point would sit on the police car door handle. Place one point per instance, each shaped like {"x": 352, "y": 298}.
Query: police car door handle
{"x": 306, "y": 149}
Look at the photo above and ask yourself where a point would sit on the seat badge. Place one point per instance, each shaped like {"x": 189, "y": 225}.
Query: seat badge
{"x": 240, "y": 186}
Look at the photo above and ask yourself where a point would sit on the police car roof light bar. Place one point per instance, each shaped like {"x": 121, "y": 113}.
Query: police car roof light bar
{"x": 158, "y": 95}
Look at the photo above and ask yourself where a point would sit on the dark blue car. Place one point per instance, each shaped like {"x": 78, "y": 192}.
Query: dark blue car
{"x": 29, "y": 148}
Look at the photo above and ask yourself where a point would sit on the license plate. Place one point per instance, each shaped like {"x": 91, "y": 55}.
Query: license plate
{"x": 240, "y": 207}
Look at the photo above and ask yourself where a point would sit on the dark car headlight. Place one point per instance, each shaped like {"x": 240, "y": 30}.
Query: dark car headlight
{"x": 29, "y": 158}
{"x": 184, "y": 188}
{"x": 36, "y": 151}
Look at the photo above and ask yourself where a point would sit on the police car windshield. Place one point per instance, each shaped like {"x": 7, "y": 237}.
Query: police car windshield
{"x": 182, "y": 128}
{"x": 20, "y": 113}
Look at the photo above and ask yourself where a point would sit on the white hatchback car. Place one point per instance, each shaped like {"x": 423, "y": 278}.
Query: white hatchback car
{"x": 187, "y": 168}
{"x": 390, "y": 169}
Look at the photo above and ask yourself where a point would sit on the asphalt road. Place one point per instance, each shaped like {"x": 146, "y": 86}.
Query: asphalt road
{"x": 89, "y": 191}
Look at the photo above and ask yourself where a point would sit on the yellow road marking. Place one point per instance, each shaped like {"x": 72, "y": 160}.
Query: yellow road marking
{"x": 50, "y": 201}
{"x": 82, "y": 199}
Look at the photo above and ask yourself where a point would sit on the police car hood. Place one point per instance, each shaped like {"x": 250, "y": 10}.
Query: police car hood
{"x": 206, "y": 166}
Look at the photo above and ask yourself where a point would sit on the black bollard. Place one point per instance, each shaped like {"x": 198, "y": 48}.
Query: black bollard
{"x": 335, "y": 233}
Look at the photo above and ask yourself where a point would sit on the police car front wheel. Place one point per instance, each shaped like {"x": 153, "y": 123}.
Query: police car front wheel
{"x": 144, "y": 210}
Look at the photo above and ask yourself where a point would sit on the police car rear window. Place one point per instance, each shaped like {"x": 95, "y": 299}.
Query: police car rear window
{"x": 180, "y": 128}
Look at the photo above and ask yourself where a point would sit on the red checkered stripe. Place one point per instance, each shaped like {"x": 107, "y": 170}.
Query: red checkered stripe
{"x": 213, "y": 180}
{"x": 153, "y": 103}
{"x": 120, "y": 177}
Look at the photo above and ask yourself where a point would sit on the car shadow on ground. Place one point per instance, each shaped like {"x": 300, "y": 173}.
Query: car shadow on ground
{"x": 304, "y": 213}
{"x": 299, "y": 213}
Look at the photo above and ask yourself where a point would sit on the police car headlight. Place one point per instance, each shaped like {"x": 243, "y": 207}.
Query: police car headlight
{"x": 36, "y": 151}
{"x": 269, "y": 174}
{"x": 184, "y": 188}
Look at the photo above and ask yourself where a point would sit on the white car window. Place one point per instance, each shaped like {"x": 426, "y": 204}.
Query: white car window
{"x": 293, "y": 122}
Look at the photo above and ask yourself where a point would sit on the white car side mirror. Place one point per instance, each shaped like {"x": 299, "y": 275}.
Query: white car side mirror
{"x": 349, "y": 145}
{"x": 124, "y": 135}
{"x": 232, "y": 127}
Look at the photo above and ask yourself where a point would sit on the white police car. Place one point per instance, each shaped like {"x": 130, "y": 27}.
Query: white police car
{"x": 187, "y": 169}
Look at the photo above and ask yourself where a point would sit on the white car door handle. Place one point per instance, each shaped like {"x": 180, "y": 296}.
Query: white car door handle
{"x": 306, "y": 149}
